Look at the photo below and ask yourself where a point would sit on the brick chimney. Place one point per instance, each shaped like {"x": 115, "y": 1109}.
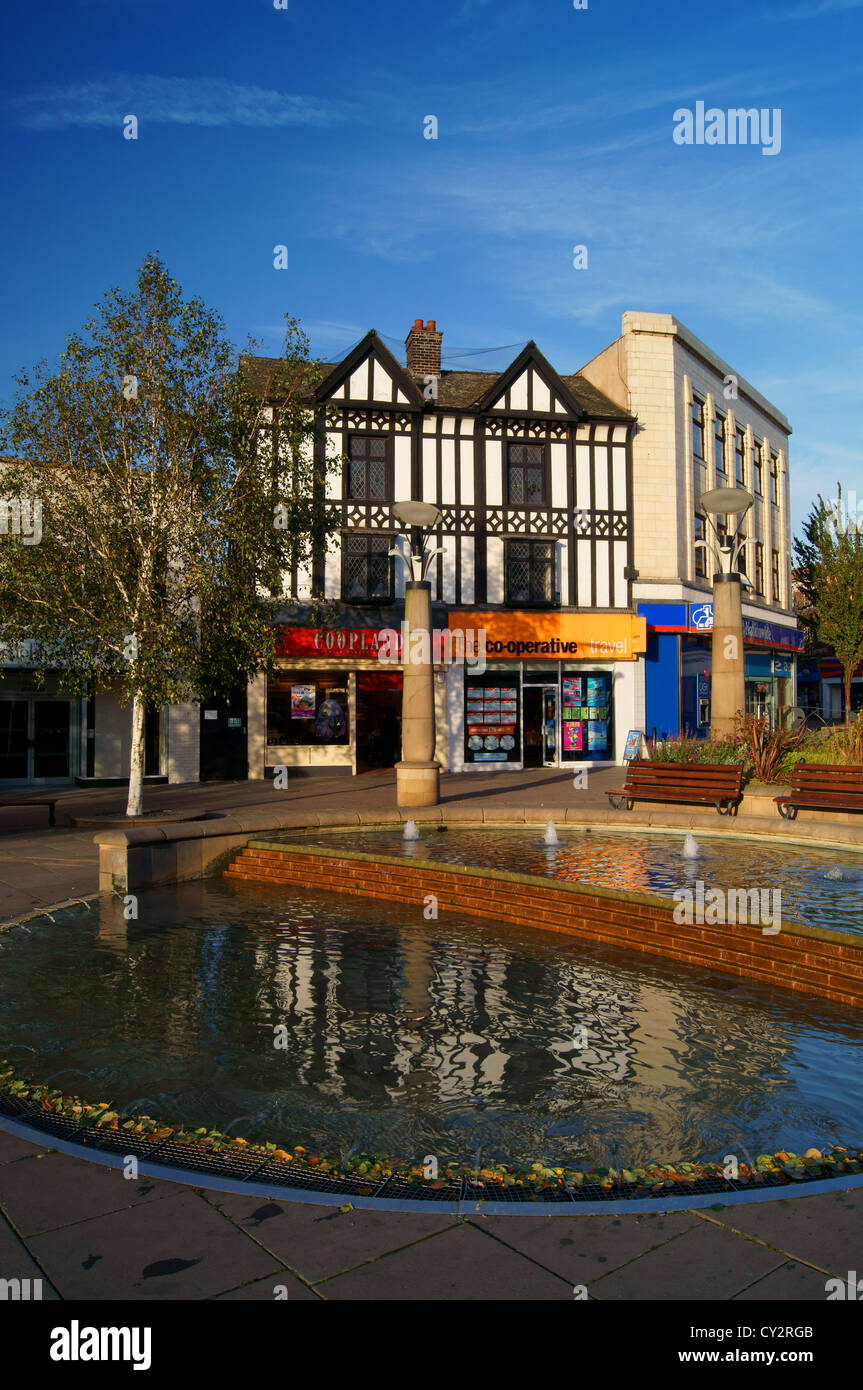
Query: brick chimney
{"x": 423, "y": 349}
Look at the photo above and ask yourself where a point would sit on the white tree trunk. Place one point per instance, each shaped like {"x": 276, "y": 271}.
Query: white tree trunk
{"x": 135, "y": 804}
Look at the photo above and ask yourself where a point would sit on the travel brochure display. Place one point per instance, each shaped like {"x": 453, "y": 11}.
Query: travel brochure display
{"x": 492, "y": 723}
{"x": 585, "y": 714}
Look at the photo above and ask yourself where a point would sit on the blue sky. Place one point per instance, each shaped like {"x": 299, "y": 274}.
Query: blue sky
{"x": 304, "y": 127}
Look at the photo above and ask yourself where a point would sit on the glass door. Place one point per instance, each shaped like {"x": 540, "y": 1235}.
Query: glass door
{"x": 50, "y": 739}
{"x": 13, "y": 741}
{"x": 549, "y": 726}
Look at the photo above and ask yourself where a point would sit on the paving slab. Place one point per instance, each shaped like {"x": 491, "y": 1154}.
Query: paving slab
{"x": 582, "y": 1248}
{"x": 278, "y": 1287}
{"x": 790, "y": 1283}
{"x": 317, "y": 1242}
{"x": 17, "y": 1263}
{"x": 705, "y": 1263}
{"x": 177, "y": 1248}
{"x": 460, "y": 1263}
{"x": 12, "y": 1148}
{"x": 52, "y": 1189}
{"x": 824, "y": 1230}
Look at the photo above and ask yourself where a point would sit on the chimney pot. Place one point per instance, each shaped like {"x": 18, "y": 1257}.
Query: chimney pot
{"x": 423, "y": 349}
{"x": 418, "y": 323}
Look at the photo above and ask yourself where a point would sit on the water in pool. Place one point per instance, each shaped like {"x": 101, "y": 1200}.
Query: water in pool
{"x": 821, "y": 887}
{"x": 412, "y": 1037}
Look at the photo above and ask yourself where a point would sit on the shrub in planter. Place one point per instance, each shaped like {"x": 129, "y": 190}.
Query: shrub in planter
{"x": 766, "y": 748}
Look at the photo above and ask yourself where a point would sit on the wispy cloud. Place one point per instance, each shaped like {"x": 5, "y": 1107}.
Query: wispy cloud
{"x": 191, "y": 101}
{"x": 818, "y": 8}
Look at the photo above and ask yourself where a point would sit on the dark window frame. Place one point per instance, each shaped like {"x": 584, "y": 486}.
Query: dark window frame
{"x": 774, "y": 478}
{"x": 544, "y": 503}
{"x": 757, "y": 469}
{"x": 700, "y": 552}
{"x": 548, "y": 562}
{"x": 740, "y": 456}
{"x": 698, "y": 423}
{"x": 775, "y": 576}
{"x": 720, "y": 423}
{"x": 389, "y": 480}
{"x": 370, "y": 539}
{"x": 758, "y": 577}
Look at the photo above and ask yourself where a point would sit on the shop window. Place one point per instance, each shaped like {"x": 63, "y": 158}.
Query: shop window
{"x": 740, "y": 457}
{"x": 308, "y": 707}
{"x": 530, "y": 571}
{"x": 491, "y": 724}
{"x": 586, "y": 724}
{"x": 719, "y": 442}
{"x": 698, "y": 429}
{"x": 527, "y": 483}
{"x": 368, "y": 469}
{"x": 367, "y": 571}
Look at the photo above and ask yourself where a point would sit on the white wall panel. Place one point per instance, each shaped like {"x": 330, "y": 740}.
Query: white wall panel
{"x": 518, "y": 393}
{"x": 541, "y": 394}
{"x": 584, "y": 561}
{"x": 558, "y": 475}
{"x": 493, "y": 473}
{"x": 402, "y": 466}
{"x": 600, "y": 478}
{"x": 618, "y": 479}
{"x": 358, "y": 386}
{"x": 466, "y": 466}
{"x": 619, "y": 599}
{"x": 582, "y": 477}
{"x": 563, "y": 571}
{"x": 382, "y": 386}
{"x": 333, "y": 570}
{"x": 429, "y": 470}
{"x": 468, "y": 570}
{"x": 447, "y": 472}
{"x": 448, "y": 563}
{"x": 334, "y": 449}
{"x": 603, "y": 597}
{"x": 494, "y": 561}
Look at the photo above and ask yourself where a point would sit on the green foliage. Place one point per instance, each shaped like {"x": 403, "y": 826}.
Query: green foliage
{"x": 829, "y": 561}
{"x": 765, "y": 747}
{"x": 170, "y": 500}
{"x": 686, "y": 749}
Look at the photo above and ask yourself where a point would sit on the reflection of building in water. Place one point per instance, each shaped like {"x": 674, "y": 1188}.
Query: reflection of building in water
{"x": 590, "y": 860}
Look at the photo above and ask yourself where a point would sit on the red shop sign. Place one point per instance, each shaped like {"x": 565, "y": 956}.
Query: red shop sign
{"x": 357, "y": 642}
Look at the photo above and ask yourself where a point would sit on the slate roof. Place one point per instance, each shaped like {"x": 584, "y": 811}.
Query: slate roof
{"x": 456, "y": 390}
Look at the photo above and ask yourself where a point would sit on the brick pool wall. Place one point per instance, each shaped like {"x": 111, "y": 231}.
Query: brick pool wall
{"x": 795, "y": 960}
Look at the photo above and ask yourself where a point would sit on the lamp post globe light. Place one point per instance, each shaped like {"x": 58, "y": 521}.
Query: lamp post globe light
{"x": 417, "y": 775}
{"x": 727, "y": 679}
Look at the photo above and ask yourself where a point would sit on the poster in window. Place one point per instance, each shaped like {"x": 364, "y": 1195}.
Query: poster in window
{"x": 572, "y": 690}
{"x": 329, "y": 721}
{"x": 597, "y": 733}
{"x": 302, "y": 702}
{"x": 573, "y": 736}
{"x": 595, "y": 691}
{"x": 508, "y": 692}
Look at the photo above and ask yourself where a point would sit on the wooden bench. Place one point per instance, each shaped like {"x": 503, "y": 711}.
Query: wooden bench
{"x": 822, "y": 787}
{"x": 704, "y": 784}
{"x": 34, "y": 802}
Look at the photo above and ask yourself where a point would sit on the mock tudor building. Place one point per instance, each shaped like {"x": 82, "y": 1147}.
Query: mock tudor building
{"x": 531, "y": 473}
{"x": 701, "y": 426}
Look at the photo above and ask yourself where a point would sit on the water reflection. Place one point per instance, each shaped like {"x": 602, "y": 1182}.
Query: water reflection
{"x": 415, "y": 1037}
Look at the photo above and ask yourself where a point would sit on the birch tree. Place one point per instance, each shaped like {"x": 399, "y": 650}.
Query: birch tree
{"x": 166, "y": 516}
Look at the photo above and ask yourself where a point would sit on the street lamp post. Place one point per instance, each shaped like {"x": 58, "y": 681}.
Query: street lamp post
{"x": 727, "y": 678}
{"x": 417, "y": 775}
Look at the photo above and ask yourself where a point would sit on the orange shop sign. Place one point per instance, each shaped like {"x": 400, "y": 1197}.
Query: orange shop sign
{"x": 561, "y": 636}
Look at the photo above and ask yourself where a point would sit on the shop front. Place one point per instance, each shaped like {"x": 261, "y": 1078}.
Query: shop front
{"x": 679, "y": 662}
{"x": 333, "y": 702}
{"x": 558, "y": 690}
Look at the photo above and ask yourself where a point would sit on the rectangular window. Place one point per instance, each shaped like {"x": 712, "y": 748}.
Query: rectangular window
{"x": 492, "y": 725}
{"x": 307, "y": 707}
{"x": 698, "y": 428}
{"x": 700, "y": 558}
{"x": 758, "y": 579}
{"x": 774, "y": 479}
{"x": 757, "y": 469}
{"x": 777, "y": 596}
{"x": 740, "y": 457}
{"x": 367, "y": 570}
{"x": 719, "y": 442}
{"x": 530, "y": 571}
{"x": 368, "y": 470}
{"x": 526, "y": 475}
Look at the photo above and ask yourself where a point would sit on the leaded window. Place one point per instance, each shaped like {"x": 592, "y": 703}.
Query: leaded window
{"x": 530, "y": 572}
{"x": 526, "y": 475}
{"x": 367, "y": 468}
{"x": 366, "y": 569}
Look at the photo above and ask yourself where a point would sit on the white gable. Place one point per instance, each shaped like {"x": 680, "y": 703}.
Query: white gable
{"x": 530, "y": 391}
{"x": 371, "y": 381}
